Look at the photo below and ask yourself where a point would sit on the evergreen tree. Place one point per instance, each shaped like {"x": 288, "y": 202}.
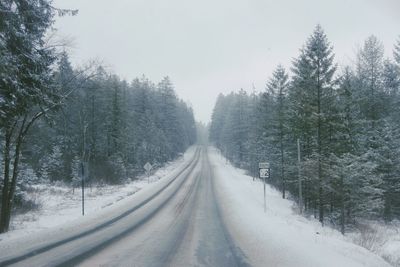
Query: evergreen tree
{"x": 26, "y": 81}
{"x": 75, "y": 172}
{"x": 369, "y": 72}
{"x": 112, "y": 126}
{"x": 314, "y": 71}
{"x": 277, "y": 88}
{"x": 396, "y": 52}
{"x": 349, "y": 130}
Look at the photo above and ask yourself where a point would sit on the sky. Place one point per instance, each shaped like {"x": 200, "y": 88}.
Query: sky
{"x": 208, "y": 47}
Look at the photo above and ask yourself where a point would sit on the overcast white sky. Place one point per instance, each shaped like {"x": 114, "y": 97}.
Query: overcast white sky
{"x": 213, "y": 46}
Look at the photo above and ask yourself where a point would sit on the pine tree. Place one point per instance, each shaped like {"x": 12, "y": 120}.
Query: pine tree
{"x": 169, "y": 118}
{"x": 28, "y": 176}
{"x": 54, "y": 162}
{"x": 369, "y": 72}
{"x": 277, "y": 88}
{"x": 396, "y": 52}
{"x": 348, "y": 127}
{"x": 391, "y": 85}
{"x": 389, "y": 152}
{"x": 76, "y": 172}
{"x": 374, "y": 150}
{"x": 344, "y": 148}
{"x": 313, "y": 73}
{"x": 218, "y": 120}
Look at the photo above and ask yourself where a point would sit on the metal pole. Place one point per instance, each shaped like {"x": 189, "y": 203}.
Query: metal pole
{"x": 83, "y": 188}
{"x": 83, "y": 169}
{"x": 265, "y": 200}
{"x": 254, "y": 172}
{"x": 299, "y": 174}
{"x": 254, "y": 168}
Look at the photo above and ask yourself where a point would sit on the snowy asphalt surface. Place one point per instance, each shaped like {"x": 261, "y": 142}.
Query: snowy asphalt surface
{"x": 204, "y": 212}
{"x": 180, "y": 225}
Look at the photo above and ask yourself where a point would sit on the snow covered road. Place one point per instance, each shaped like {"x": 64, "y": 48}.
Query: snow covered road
{"x": 205, "y": 213}
{"x": 187, "y": 231}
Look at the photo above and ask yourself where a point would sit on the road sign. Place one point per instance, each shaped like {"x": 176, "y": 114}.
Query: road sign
{"x": 264, "y": 173}
{"x": 263, "y": 165}
{"x": 147, "y": 167}
{"x": 263, "y": 168}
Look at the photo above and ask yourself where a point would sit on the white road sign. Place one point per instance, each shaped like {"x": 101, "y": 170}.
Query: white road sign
{"x": 263, "y": 165}
{"x": 264, "y": 173}
{"x": 148, "y": 167}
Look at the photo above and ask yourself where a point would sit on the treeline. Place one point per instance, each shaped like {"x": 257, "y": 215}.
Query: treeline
{"x": 56, "y": 121}
{"x": 347, "y": 120}
{"x": 112, "y": 126}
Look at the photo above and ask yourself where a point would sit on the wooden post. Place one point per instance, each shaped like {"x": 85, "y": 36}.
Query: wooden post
{"x": 299, "y": 174}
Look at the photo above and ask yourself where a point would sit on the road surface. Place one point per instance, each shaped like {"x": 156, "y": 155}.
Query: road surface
{"x": 179, "y": 225}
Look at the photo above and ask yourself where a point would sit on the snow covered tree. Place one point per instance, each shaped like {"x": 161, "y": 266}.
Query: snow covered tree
{"x": 311, "y": 99}
{"x": 389, "y": 157}
{"x": 54, "y": 162}
{"x": 28, "y": 176}
{"x": 232, "y": 127}
{"x": 117, "y": 169}
{"x": 168, "y": 109}
{"x": 26, "y": 82}
{"x": 349, "y": 129}
{"x": 93, "y": 116}
{"x": 76, "y": 172}
{"x": 277, "y": 87}
{"x": 369, "y": 73}
{"x": 218, "y": 120}
{"x": 396, "y": 52}
{"x": 391, "y": 87}
{"x": 238, "y": 121}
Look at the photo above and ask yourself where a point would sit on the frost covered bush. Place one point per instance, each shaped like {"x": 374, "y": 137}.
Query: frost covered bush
{"x": 26, "y": 201}
{"x": 51, "y": 166}
{"x": 381, "y": 238}
{"x": 369, "y": 237}
{"x": 117, "y": 169}
{"x": 25, "y": 197}
{"x": 75, "y": 168}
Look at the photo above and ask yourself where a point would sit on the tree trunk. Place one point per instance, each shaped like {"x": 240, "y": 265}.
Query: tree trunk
{"x": 387, "y": 212}
{"x": 15, "y": 173}
{"x": 9, "y": 189}
{"x": 320, "y": 189}
{"x": 342, "y": 211}
{"x": 282, "y": 164}
{"x": 5, "y": 190}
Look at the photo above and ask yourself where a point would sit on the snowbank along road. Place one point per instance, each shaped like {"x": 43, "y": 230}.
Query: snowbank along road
{"x": 205, "y": 213}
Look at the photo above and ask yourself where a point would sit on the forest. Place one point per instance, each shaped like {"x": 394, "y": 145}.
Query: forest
{"x": 347, "y": 121}
{"x": 58, "y": 122}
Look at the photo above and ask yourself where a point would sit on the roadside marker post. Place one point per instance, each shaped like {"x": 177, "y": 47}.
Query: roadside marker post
{"x": 83, "y": 186}
{"x": 299, "y": 177}
{"x": 148, "y": 168}
{"x": 264, "y": 172}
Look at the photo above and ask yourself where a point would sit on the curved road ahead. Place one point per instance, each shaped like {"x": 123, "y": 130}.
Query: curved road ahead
{"x": 181, "y": 225}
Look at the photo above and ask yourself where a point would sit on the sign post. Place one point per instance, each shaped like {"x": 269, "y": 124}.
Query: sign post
{"x": 83, "y": 187}
{"x": 299, "y": 174}
{"x": 263, "y": 168}
{"x": 148, "y": 168}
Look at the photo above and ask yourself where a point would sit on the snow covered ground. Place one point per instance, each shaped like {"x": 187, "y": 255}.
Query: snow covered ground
{"x": 59, "y": 206}
{"x": 382, "y": 239}
{"x": 279, "y": 237}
